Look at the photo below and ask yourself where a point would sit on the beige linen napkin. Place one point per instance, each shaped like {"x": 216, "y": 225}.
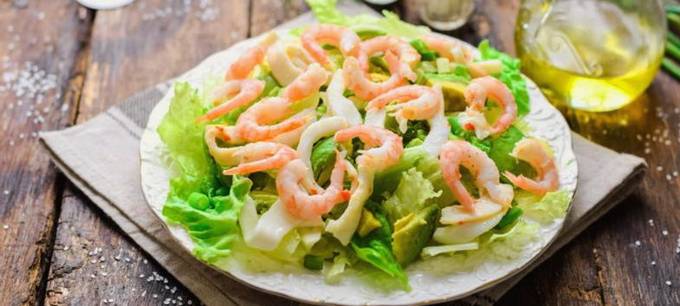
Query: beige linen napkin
{"x": 101, "y": 157}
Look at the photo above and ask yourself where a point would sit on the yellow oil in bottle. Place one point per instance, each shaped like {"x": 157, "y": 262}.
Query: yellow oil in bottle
{"x": 592, "y": 55}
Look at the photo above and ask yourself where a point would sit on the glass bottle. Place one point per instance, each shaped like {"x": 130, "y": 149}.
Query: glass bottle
{"x": 446, "y": 15}
{"x": 594, "y": 55}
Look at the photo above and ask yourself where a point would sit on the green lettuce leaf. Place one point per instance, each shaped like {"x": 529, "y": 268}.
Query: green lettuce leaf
{"x": 213, "y": 229}
{"x": 197, "y": 199}
{"x": 510, "y": 75}
{"x": 323, "y": 159}
{"x": 184, "y": 141}
{"x": 325, "y": 11}
{"x": 498, "y": 148}
{"x": 412, "y": 195}
{"x": 425, "y": 53}
{"x": 376, "y": 249}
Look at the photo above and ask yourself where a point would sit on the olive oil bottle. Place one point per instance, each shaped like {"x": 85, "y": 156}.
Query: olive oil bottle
{"x": 594, "y": 55}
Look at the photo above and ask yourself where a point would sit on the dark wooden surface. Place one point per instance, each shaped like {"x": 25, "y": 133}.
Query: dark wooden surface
{"x": 56, "y": 248}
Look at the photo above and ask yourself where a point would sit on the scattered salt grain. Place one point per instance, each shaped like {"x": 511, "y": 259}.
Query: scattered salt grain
{"x": 659, "y": 168}
{"x": 5, "y": 192}
{"x": 653, "y": 263}
{"x": 668, "y": 177}
{"x": 5, "y": 226}
{"x": 651, "y": 222}
{"x": 637, "y": 243}
{"x": 668, "y": 283}
{"x": 664, "y": 232}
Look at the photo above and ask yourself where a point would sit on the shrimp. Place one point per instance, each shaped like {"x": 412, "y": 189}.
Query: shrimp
{"x": 358, "y": 82}
{"x": 449, "y": 48}
{"x": 251, "y": 125}
{"x": 534, "y": 152}
{"x": 291, "y": 138}
{"x": 415, "y": 103}
{"x": 343, "y": 38}
{"x": 243, "y": 92}
{"x": 223, "y": 156}
{"x": 287, "y": 62}
{"x": 408, "y": 56}
{"x": 476, "y": 94}
{"x": 261, "y": 156}
{"x": 244, "y": 65}
{"x": 337, "y": 103}
{"x": 306, "y": 83}
{"x": 460, "y": 153}
{"x": 293, "y": 189}
{"x": 384, "y": 149}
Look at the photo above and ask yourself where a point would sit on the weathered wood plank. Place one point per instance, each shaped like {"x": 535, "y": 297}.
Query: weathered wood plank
{"x": 93, "y": 263}
{"x": 40, "y": 41}
{"x": 131, "y": 49}
{"x": 266, "y": 14}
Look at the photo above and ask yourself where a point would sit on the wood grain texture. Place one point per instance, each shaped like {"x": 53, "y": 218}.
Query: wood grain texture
{"x": 93, "y": 263}
{"x": 266, "y": 14}
{"x": 129, "y": 50}
{"x": 40, "y": 44}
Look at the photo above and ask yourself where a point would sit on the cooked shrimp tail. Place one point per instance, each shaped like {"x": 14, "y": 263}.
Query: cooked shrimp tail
{"x": 535, "y": 153}
{"x": 261, "y": 156}
{"x": 244, "y": 65}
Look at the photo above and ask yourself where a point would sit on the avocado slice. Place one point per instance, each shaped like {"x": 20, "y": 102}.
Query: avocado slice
{"x": 367, "y": 223}
{"x": 412, "y": 233}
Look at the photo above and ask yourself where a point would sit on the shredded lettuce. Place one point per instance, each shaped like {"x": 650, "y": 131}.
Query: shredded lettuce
{"x": 365, "y": 25}
{"x": 449, "y": 248}
{"x": 412, "y": 195}
{"x": 387, "y": 181}
{"x": 544, "y": 209}
{"x": 376, "y": 249}
{"x": 510, "y": 75}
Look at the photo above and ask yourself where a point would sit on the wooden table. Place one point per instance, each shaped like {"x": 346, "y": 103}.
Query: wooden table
{"x": 56, "y": 248}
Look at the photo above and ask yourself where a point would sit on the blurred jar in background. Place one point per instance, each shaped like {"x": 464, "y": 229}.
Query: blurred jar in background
{"x": 446, "y": 15}
{"x": 594, "y": 55}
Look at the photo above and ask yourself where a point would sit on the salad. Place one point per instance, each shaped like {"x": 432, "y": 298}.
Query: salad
{"x": 359, "y": 145}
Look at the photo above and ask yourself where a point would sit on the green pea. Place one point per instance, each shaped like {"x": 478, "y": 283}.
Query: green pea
{"x": 313, "y": 262}
{"x": 199, "y": 201}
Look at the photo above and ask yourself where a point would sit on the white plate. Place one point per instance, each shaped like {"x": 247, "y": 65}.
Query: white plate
{"x": 307, "y": 286}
